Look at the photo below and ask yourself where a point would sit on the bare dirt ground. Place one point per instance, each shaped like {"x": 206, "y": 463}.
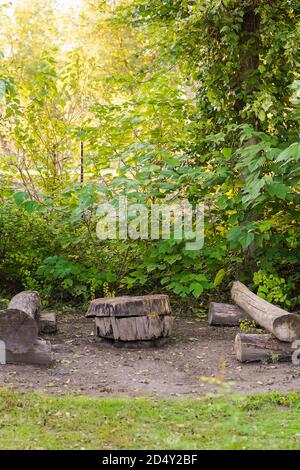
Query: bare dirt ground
{"x": 85, "y": 366}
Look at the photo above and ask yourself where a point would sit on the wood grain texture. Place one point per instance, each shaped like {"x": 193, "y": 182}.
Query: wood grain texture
{"x": 134, "y": 328}
{"x": 130, "y": 306}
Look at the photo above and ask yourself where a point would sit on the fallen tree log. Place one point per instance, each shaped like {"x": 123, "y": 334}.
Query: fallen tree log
{"x": 18, "y": 325}
{"x": 18, "y": 330}
{"x": 38, "y": 354}
{"x": 28, "y": 302}
{"x": 255, "y": 347}
{"x": 226, "y": 314}
{"x": 285, "y": 326}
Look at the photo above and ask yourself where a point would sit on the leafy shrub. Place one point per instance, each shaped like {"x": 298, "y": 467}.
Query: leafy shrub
{"x": 60, "y": 260}
{"x": 273, "y": 288}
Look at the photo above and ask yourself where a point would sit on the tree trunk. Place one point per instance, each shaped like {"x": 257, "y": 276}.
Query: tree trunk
{"x": 18, "y": 330}
{"x": 254, "y": 347}
{"x": 285, "y": 326}
{"x": 28, "y": 302}
{"x": 248, "y": 81}
{"x": 249, "y": 44}
{"x": 81, "y": 162}
{"x": 226, "y": 314}
{"x": 38, "y": 354}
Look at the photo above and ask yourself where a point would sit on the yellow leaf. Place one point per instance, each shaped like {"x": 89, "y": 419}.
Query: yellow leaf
{"x": 219, "y": 277}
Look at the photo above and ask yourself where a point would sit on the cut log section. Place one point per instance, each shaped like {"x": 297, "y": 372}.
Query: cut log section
{"x": 39, "y": 354}
{"x": 47, "y": 323}
{"x": 142, "y": 318}
{"x": 285, "y": 326}
{"x": 28, "y": 302}
{"x": 18, "y": 330}
{"x": 254, "y": 347}
{"x": 226, "y": 315}
{"x": 130, "y": 306}
{"x": 134, "y": 328}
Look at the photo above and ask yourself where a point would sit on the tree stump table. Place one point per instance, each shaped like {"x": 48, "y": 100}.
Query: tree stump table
{"x": 143, "y": 319}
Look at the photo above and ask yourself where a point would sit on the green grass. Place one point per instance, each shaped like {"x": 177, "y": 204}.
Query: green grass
{"x": 269, "y": 421}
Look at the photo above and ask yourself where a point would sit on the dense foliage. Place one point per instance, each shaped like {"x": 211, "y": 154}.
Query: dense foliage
{"x": 160, "y": 100}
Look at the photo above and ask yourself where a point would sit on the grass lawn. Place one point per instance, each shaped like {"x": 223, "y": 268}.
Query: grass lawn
{"x": 269, "y": 421}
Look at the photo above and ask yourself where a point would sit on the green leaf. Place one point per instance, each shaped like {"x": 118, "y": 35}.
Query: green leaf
{"x": 290, "y": 153}
{"x": 278, "y": 190}
{"x": 234, "y": 234}
{"x": 246, "y": 239}
{"x": 253, "y": 189}
{"x": 227, "y": 152}
{"x": 21, "y": 197}
{"x": 31, "y": 206}
{"x": 196, "y": 289}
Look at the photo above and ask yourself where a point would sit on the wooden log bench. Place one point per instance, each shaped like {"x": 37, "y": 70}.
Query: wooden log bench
{"x": 132, "y": 319}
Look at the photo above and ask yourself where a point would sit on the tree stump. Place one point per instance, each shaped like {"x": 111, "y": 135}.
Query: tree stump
{"x": 129, "y": 319}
